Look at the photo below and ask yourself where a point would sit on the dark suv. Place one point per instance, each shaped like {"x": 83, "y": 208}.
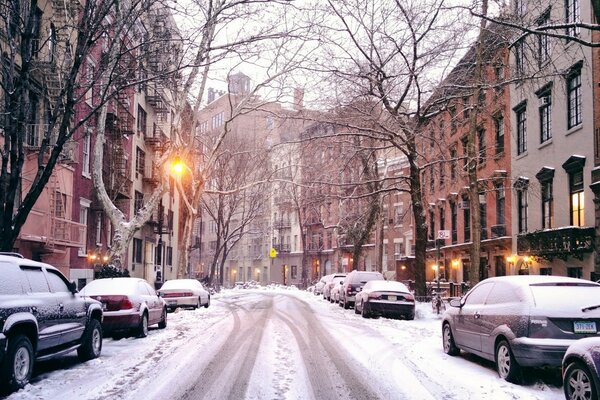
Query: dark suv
{"x": 353, "y": 283}
{"x": 41, "y": 316}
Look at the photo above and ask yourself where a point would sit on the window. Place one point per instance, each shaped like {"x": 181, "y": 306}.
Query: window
{"x": 500, "y": 204}
{"x": 170, "y": 219}
{"x": 86, "y": 154}
{"x": 466, "y": 107}
{"x": 453, "y": 157}
{"x": 545, "y": 115}
{"x": 478, "y": 295}
{"x": 57, "y": 284}
{"x": 432, "y": 234}
{"x": 138, "y": 202}
{"x": 546, "y": 271}
{"x": 519, "y": 58}
{"x": 521, "y": 114}
{"x": 522, "y": 209}
{"x": 575, "y": 272}
{"x": 37, "y": 280}
{"x": 483, "y": 217}
{"x": 572, "y": 17}
{"x": 142, "y": 117}
{"x": 203, "y": 126}
{"x": 577, "y": 199}
{"x": 217, "y": 120}
{"x": 137, "y": 251}
{"x": 574, "y": 97}
{"x": 169, "y": 260}
{"x": 464, "y": 141}
{"x": 481, "y": 141}
{"x": 543, "y": 49}
{"x": 84, "y": 208}
{"x": 499, "y": 129}
{"x": 520, "y": 7}
{"x": 99, "y": 228}
{"x": 158, "y": 254}
{"x": 547, "y": 205}
{"x": 140, "y": 162}
{"x": 442, "y": 218}
{"x": 466, "y": 223}
{"x": 432, "y": 180}
{"x": 89, "y": 77}
{"x": 500, "y": 265}
{"x": 442, "y": 174}
{"x": 453, "y": 218}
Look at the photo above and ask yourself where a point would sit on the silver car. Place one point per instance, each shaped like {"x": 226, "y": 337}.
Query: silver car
{"x": 522, "y": 321}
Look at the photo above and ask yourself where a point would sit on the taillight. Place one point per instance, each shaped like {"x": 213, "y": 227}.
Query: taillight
{"x": 349, "y": 290}
{"x": 177, "y": 294}
{"x": 375, "y": 295}
{"x": 409, "y": 297}
{"x": 126, "y": 304}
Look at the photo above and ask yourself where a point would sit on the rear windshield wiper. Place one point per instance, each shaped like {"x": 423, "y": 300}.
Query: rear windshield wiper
{"x": 589, "y": 308}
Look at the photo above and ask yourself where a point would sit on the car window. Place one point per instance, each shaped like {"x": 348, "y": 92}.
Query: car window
{"x": 366, "y": 277}
{"x": 149, "y": 289}
{"x": 11, "y": 279}
{"x": 57, "y": 283}
{"x": 36, "y": 279}
{"x": 502, "y": 292}
{"x": 479, "y": 293}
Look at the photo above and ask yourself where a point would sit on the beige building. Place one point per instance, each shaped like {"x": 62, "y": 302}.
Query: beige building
{"x": 552, "y": 147}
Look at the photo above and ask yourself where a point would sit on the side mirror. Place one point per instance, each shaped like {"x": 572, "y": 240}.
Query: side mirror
{"x": 456, "y": 303}
{"x": 73, "y": 287}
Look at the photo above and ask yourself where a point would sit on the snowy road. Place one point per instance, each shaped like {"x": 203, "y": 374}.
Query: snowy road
{"x": 280, "y": 344}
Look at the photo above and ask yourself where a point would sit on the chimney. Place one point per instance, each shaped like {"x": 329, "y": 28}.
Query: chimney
{"x": 298, "y": 99}
{"x": 211, "y": 95}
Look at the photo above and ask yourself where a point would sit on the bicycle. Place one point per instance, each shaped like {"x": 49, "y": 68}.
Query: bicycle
{"x": 437, "y": 303}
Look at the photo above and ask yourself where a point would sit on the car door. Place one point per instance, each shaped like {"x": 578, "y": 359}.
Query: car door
{"x": 467, "y": 324}
{"x": 43, "y": 306}
{"x": 152, "y": 301}
{"x": 72, "y": 308}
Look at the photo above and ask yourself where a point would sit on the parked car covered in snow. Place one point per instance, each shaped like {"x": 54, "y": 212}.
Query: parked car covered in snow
{"x": 581, "y": 369}
{"x": 353, "y": 283}
{"x": 334, "y": 296}
{"x": 184, "y": 293}
{"x": 41, "y": 316}
{"x": 335, "y": 278}
{"x": 129, "y": 304}
{"x": 385, "y": 298}
{"x": 522, "y": 321}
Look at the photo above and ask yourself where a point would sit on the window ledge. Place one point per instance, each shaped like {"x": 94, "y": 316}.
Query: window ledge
{"x": 86, "y": 175}
{"x": 545, "y": 144}
{"x": 522, "y": 155}
{"x": 574, "y": 129}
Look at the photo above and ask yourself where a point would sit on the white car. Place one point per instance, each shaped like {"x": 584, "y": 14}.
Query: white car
{"x": 129, "y": 304}
{"x": 334, "y": 297}
{"x": 184, "y": 293}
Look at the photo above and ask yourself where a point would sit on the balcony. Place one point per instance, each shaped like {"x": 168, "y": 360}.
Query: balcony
{"x": 282, "y": 248}
{"x": 156, "y": 139}
{"x": 282, "y": 224}
{"x": 43, "y": 227}
{"x": 559, "y": 243}
{"x": 314, "y": 246}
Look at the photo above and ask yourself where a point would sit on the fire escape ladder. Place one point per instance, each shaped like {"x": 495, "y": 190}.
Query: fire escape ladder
{"x": 56, "y": 211}
{"x": 120, "y": 182}
{"x": 125, "y": 118}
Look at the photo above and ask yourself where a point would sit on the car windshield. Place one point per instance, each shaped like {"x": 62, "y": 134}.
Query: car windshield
{"x": 338, "y": 279}
{"x": 565, "y": 296}
{"x": 110, "y": 286}
{"x": 368, "y": 277}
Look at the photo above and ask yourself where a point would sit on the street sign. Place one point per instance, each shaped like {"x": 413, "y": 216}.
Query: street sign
{"x": 272, "y": 253}
{"x": 443, "y": 234}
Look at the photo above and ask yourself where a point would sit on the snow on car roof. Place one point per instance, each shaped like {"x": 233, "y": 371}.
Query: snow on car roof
{"x": 108, "y": 286}
{"x": 536, "y": 279}
{"x": 386, "y": 285}
{"x": 180, "y": 283}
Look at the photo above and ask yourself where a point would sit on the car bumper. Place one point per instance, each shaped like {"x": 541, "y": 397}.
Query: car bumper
{"x": 120, "y": 320}
{"x": 174, "y": 302}
{"x": 383, "y": 307}
{"x": 535, "y": 352}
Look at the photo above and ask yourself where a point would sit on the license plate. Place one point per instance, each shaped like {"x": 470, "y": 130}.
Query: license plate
{"x": 584, "y": 327}
{"x": 392, "y": 298}
{"x": 172, "y": 302}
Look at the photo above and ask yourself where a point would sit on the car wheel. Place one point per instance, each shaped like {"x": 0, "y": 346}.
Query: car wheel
{"x": 91, "y": 341}
{"x": 449, "y": 345}
{"x": 506, "y": 365}
{"x": 198, "y": 303}
{"x": 162, "y": 324}
{"x": 142, "y": 330}
{"x": 346, "y": 305}
{"x": 365, "y": 312}
{"x": 207, "y": 303}
{"x": 578, "y": 382}
{"x": 18, "y": 364}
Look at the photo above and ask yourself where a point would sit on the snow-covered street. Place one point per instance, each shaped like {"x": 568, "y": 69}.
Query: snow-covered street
{"x": 282, "y": 344}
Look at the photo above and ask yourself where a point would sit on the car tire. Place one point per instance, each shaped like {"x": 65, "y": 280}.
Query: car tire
{"x": 142, "y": 329}
{"x": 198, "y": 303}
{"x": 162, "y": 324}
{"x": 207, "y": 303}
{"x": 578, "y": 382}
{"x": 506, "y": 365}
{"x": 91, "y": 341}
{"x": 448, "y": 341}
{"x": 365, "y": 313}
{"x": 346, "y": 305}
{"x": 18, "y": 363}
